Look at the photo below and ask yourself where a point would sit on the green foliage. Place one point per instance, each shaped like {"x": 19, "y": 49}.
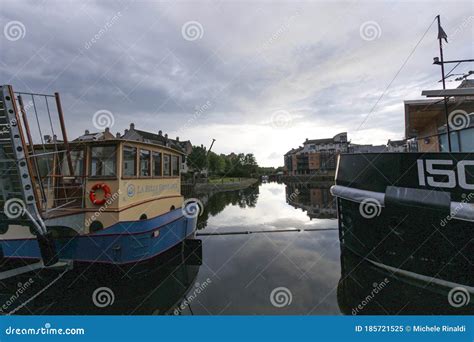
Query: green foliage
{"x": 216, "y": 163}
{"x": 234, "y": 165}
{"x": 197, "y": 159}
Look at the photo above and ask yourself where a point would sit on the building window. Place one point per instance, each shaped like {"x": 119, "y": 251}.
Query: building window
{"x": 129, "y": 162}
{"x": 466, "y": 138}
{"x": 145, "y": 163}
{"x": 156, "y": 164}
{"x": 174, "y": 165}
{"x": 166, "y": 164}
{"x": 103, "y": 161}
{"x": 444, "y": 145}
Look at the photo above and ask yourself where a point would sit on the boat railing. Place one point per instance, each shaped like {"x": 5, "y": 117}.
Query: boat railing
{"x": 47, "y": 152}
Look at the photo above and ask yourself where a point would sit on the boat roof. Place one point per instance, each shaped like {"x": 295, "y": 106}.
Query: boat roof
{"x": 111, "y": 142}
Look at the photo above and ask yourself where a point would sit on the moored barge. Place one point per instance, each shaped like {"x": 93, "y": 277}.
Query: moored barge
{"x": 111, "y": 201}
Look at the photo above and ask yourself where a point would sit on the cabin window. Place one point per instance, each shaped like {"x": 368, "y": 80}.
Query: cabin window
{"x": 145, "y": 163}
{"x": 156, "y": 164}
{"x": 77, "y": 158}
{"x": 174, "y": 165}
{"x": 103, "y": 161}
{"x": 129, "y": 161}
{"x": 166, "y": 164}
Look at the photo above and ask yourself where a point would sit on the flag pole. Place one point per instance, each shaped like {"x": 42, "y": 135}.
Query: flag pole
{"x": 440, "y": 38}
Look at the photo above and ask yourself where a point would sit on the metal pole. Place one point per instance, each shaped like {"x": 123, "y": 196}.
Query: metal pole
{"x": 32, "y": 146}
{"x": 448, "y": 132}
{"x": 63, "y": 131}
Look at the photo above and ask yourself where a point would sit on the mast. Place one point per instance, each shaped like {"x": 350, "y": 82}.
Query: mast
{"x": 440, "y": 38}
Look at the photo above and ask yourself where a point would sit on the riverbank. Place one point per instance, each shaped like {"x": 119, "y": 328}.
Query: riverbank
{"x": 216, "y": 185}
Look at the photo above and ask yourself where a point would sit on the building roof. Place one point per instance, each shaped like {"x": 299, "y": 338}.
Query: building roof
{"x": 319, "y": 141}
{"x": 396, "y": 142}
{"x": 87, "y": 136}
{"x": 293, "y": 150}
{"x": 160, "y": 139}
{"x": 466, "y": 84}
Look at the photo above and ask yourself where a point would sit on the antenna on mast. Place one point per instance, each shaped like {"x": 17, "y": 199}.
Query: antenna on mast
{"x": 442, "y": 35}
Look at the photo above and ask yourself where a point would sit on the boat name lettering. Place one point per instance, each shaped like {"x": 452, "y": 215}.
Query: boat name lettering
{"x": 156, "y": 189}
{"x": 429, "y": 168}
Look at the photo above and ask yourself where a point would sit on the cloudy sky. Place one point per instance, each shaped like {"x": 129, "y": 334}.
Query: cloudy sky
{"x": 258, "y": 76}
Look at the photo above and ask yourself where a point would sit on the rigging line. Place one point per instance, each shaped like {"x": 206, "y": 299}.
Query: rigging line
{"x": 449, "y": 73}
{"x": 246, "y": 232}
{"x": 39, "y": 293}
{"x": 396, "y": 75}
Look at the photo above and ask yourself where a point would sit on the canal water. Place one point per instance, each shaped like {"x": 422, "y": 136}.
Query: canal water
{"x": 268, "y": 249}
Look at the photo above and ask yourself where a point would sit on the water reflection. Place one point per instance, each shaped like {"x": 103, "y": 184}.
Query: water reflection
{"x": 246, "y": 268}
{"x": 154, "y": 288}
{"x": 365, "y": 289}
{"x": 216, "y": 203}
{"x": 236, "y": 274}
{"x": 313, "y": 198}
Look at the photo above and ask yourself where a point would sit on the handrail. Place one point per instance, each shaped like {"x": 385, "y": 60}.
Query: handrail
{"x": 458, "y": 210}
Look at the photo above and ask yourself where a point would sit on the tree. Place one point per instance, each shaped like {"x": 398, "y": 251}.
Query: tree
{"x": 197, "y": 159}
{"x": 216, "y": 163}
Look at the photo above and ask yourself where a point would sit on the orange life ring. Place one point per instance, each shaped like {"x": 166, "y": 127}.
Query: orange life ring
{"x": 105, "y": 188}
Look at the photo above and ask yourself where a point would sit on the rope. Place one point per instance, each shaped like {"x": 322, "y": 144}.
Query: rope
{"x": 37, "y": 294}
{"x": 267, "y": 231}
{"x": 396, "y": 75}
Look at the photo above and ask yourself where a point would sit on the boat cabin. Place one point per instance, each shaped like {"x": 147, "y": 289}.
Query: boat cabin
{"x": 425, "y": 121}
{"x": 99, "y": 183}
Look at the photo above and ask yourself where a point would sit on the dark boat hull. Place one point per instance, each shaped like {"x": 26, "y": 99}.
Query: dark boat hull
{"x": 410, "y": 212}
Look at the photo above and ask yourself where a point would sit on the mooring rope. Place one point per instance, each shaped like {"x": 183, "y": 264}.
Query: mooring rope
{"x": 266, "y": 231}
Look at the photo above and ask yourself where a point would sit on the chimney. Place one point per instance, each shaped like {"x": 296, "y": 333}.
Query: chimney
{"x": 132, "y": 126}
{"x": 118, "y": 136}
{"x": 160, "y": 133}
{"x": 107, "y": 129}
{"x": 166, "y": 136}
{"x": 55, "y": 138}
{"x": 177, "y": 138}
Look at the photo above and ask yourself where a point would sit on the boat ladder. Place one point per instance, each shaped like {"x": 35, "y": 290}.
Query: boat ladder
{"x": 18, "y": 200}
